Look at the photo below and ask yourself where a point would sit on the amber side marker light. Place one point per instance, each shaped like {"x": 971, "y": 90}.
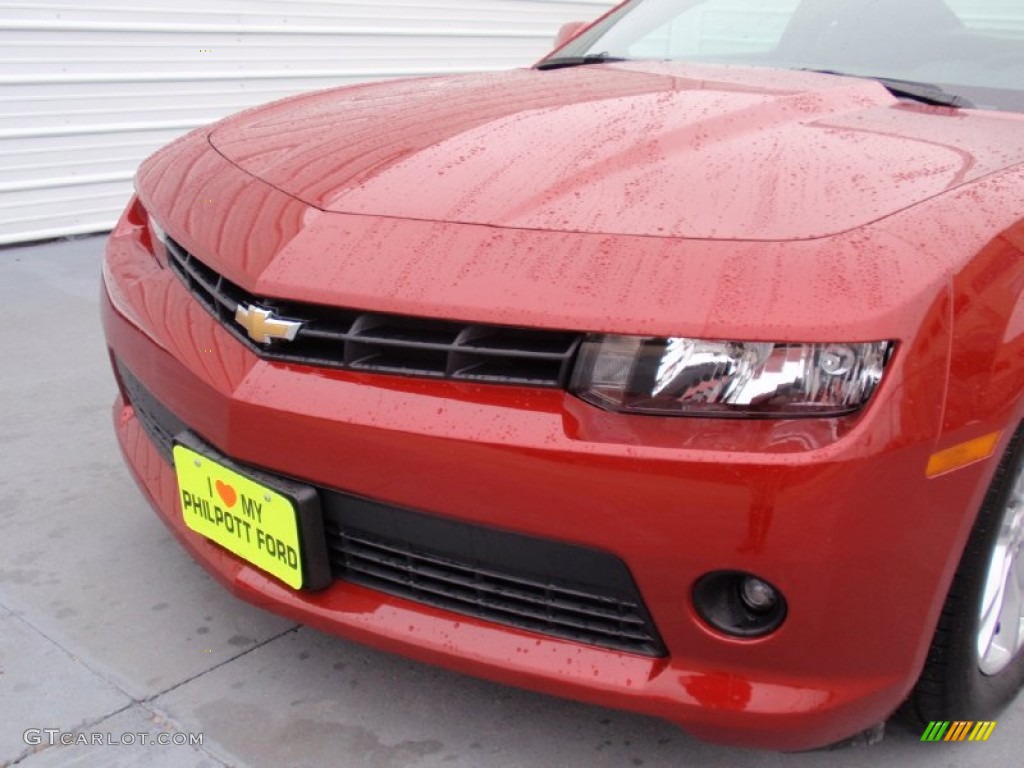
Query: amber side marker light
{"x": 962, "y": 455}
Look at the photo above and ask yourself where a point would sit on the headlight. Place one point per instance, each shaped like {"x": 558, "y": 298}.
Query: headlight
{"x": 158, "y": 240}
{"x": 157, "y": 230}
{"x": 694, "y": 377}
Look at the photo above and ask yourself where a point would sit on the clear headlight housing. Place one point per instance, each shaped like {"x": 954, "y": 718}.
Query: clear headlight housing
{"x": 157, "y": 230}
{"x": 697, "y": 377}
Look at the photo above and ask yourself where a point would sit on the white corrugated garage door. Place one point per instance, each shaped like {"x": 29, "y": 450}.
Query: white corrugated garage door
{"x": 90, "y": 88}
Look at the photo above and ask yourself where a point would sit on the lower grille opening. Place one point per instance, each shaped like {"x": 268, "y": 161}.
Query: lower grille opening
{"x": 543, "y": 586}
{"x": 159, "y": 424}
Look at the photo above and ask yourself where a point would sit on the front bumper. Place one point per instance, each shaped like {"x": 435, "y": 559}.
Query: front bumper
{"x": 836, "y": 514}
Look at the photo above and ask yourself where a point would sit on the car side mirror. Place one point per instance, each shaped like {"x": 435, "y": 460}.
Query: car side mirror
{"x": 568, "y": 31}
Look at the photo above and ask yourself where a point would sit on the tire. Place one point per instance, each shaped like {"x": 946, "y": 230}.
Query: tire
{"x": 966, "y": 677}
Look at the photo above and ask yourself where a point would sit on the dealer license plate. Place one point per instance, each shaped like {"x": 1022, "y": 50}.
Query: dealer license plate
{"x": 248, "y": 518}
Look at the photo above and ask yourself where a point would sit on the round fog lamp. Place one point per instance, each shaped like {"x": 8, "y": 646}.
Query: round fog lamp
{"x": 739, "y": 604}
{"x": 758, "y": 595}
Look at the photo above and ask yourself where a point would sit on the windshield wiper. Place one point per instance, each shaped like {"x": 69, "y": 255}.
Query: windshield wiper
{"x": 578, "y": 61}
{"x": 926, "y": 93}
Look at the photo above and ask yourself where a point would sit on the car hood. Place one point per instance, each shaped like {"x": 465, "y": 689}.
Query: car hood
{"x": 663, "y": 149}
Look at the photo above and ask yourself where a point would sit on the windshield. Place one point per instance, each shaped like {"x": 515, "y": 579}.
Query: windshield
{"x": 972, "y": 49}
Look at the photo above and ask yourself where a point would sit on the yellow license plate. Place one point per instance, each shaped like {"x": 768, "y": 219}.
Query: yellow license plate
{"x": 245, "y": 517}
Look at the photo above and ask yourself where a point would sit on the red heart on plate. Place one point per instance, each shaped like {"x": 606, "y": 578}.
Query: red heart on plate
{"x": 227, "y": 493}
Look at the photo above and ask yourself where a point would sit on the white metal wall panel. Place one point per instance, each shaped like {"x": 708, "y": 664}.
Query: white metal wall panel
{"x": 90, "y": 87}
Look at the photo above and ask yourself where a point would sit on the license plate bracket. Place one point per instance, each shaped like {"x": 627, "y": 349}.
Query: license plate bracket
{"x": 271, "y": 522}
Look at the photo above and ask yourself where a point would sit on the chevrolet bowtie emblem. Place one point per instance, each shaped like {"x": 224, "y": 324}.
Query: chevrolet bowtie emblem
{"x": 262, "y": 326}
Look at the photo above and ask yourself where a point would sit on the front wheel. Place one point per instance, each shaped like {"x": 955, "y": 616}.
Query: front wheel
{"x": 975, "y": 665}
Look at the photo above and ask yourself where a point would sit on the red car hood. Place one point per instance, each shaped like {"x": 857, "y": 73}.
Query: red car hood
{"x": 638, "y": 149}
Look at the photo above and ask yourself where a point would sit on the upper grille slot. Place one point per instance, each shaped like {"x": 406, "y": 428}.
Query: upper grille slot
{"x": 383, "y": 343}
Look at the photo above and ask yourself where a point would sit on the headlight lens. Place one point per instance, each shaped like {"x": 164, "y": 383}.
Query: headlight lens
{"x": 695, "y": 377}
{"x": 157, "y": 230}
{"x": 158, "y": 241}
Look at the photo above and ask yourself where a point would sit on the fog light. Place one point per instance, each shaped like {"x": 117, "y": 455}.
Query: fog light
{"x": 739, "y": 604}
{"x": 758, "y": 595}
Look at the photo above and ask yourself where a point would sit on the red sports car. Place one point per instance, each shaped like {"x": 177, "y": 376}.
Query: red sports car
{"x": 682, "y": 372}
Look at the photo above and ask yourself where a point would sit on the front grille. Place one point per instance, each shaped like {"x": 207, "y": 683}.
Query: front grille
{"x": 549, "y": 587}
{"x": 521, "y": 581}
{"x": 370, "y": 341}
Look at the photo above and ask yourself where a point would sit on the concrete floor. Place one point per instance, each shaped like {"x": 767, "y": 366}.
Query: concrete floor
{"x": 108, "y": 627}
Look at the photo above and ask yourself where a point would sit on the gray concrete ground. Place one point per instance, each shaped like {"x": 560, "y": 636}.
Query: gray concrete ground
{"x": 108, "y": 629}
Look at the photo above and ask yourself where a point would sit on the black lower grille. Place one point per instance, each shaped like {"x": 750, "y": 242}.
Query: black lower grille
{"x": 159, "y": 424}
{"x": 543, "y": 586}
{"x": 382, "y": 343}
